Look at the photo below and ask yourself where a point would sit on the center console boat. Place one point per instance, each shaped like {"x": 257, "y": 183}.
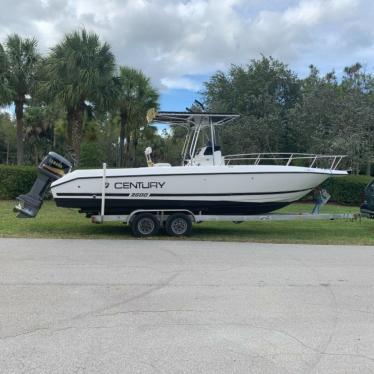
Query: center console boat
{"x": 206, "y": 182}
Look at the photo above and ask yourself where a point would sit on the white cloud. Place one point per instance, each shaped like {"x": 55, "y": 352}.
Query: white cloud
{"x": 181, "y": 83}
{"x": 169, "y": 39}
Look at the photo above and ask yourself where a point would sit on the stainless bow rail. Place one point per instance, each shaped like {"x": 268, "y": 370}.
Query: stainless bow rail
{"x": 305, "y": 159}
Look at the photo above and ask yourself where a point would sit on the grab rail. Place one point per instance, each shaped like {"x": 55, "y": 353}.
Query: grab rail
{"x": 285, "y": 158}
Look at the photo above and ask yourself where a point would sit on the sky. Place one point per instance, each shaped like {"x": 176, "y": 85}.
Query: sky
{"x": 180, "y": 44}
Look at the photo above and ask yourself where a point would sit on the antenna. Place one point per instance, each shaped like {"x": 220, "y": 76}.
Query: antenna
{"x": 200, "y": 105}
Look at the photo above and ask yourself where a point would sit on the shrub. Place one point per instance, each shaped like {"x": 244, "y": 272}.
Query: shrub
{"x": 92, "y": 156}
{"x": 16, "y": 180}
{"x": 347, "y": 190}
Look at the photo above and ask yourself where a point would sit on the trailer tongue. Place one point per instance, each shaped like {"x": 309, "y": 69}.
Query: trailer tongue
{"x": 50, "y": 169}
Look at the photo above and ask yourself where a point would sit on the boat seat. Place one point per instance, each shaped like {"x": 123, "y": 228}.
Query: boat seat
{"x": 209, "y": 150}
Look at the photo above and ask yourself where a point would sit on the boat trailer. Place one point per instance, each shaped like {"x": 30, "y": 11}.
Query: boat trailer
{"x": 178, "y": 222}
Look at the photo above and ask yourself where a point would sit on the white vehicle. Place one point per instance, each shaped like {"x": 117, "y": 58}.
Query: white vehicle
{"x": 207, "y": 183}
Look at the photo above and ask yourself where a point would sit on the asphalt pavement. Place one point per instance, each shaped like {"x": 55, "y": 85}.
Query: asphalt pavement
{"x": 144, "y": 306}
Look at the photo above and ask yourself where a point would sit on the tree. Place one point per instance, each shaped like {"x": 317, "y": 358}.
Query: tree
{"x": 4, "y": 94}
{"x": 357, "y": 115}
{"x": 18, "y": 71}
{"x": 312, "y": 121}
{"x": 79, "y": 75}
{"x": 280, "y": 113}
{"x": 336, "y": 117}
{"x": 262, "y": 92}
{"x": 39, "y": 131}
{"x": 136, "y": 96}
{"x": 7, "y": 139}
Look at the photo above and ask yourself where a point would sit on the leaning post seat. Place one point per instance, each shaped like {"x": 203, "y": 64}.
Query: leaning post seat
{"x": 50, "y": 169}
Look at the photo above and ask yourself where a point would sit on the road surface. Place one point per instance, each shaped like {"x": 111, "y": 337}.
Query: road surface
{"x": 142, "y": 306}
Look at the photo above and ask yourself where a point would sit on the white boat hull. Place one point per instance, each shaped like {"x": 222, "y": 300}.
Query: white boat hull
{"x": 247, "y": 189}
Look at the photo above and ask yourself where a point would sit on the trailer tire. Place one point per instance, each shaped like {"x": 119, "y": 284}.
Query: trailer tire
{"x": 178, "y": 224}
{"x": 145, "y": 224}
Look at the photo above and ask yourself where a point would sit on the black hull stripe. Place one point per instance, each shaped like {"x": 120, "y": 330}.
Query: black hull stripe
{"x": 62, "y": 194}
{"x": 189, "y": 174}
{"x": 231, "y": 194}
{"x": 125, "y": 206}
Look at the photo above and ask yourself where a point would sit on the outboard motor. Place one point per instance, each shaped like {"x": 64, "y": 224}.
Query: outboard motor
{"x": 50, "y": 169}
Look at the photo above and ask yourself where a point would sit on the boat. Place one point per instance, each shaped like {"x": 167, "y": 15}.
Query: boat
{"x": 206, "y": 182}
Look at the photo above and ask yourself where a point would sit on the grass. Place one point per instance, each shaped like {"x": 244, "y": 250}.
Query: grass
{"x": 53, "y": 222}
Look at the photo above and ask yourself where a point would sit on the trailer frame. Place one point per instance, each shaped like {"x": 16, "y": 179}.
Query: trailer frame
{"x": 162, "y": 216}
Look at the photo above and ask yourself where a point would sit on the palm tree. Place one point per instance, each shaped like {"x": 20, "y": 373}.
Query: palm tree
{"x": 136, "y": 96}
{"x": 39, "y": 130}
{"x": 19, "y": 63}
{"x": 79, "y": 75}
{"x": 3, "y": 78}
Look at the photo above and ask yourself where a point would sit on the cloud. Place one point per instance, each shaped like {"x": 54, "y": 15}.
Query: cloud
{"x": 170, "y": 39}
{"x": 181, "y": 83}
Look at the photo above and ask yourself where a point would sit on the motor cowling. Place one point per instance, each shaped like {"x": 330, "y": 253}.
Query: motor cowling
{"x": 52, "y": 167}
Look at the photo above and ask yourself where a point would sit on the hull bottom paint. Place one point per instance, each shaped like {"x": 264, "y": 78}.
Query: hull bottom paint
{"x": 117, "y": 206}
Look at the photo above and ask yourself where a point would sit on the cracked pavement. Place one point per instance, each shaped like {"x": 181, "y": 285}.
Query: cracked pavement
{"x": 144, "y": 306}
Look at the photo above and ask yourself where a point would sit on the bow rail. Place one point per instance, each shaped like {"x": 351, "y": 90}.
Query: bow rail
{"x": 295, "y": 159}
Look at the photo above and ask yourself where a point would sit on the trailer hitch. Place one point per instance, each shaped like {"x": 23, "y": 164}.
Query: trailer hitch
{"x": 52, "y": 167}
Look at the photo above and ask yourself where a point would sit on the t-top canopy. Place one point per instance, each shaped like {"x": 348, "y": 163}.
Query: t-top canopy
{"x": 191, "y": 120}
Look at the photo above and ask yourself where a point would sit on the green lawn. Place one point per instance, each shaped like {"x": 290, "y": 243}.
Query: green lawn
{"x": 55, "y": 222}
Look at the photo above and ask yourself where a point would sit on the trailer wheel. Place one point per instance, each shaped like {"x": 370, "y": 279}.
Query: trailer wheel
{"x": 145, "y": 224}
{"x": 178, "y": 224}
